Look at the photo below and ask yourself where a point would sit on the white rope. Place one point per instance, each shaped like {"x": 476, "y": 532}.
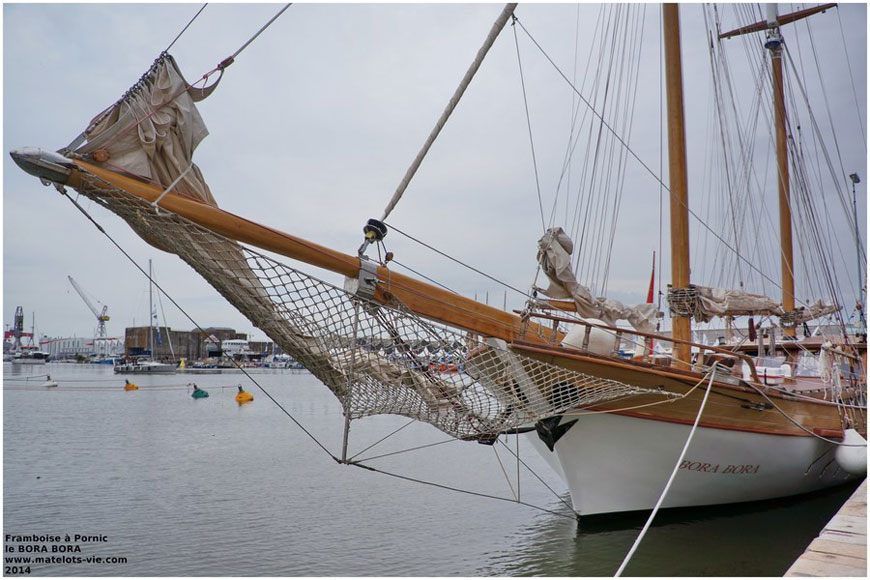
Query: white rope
{"x": 265, "y": 26}
{"x": 670, "y": 481}
{"x": 454, "y": 100}
{"x": 168, "y": 189}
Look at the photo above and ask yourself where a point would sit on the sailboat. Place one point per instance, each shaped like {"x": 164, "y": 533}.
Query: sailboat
{"x": 611, "y": 427}
{"x": 142, "y": 365}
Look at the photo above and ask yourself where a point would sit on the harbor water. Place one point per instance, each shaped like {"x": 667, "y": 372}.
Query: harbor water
{"x": 153, "y": 482}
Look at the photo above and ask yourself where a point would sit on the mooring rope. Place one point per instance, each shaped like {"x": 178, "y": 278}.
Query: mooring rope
{"x": 670, "y": 480}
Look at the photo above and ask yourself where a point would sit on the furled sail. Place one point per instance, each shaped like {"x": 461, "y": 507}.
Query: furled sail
{"x": 809, "y": 312}
{"x": 153, "y": 131}
{"x": 554, "y": 255}
{"x": 703, "y": 303}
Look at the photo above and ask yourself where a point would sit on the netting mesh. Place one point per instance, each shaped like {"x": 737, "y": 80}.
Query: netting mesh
{"x": 376, "y": 358}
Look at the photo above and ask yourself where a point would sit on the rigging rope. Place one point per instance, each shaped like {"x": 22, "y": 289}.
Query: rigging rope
{"x": 529, "y": 125}
{"x": 183, "y": 30}
{"x": 646, "y": 167}
{"x": 219, "y": 68}
{"x": 465, "y": 491}
{"x": 229, "y": 60}
{"x": 852, "y": 79}
{"x": 463, "y": 264}
{"x": 454, "y": 100}
{"x": 192, "y": 321}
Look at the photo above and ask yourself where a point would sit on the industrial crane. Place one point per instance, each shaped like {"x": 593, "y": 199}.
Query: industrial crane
{"x": 17, "y": 330}
{"x": 102, "y": 317}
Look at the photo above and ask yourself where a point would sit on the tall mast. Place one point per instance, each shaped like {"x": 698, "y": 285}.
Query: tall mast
{"x": 678, "y": 175}
{"x": 150, "y": 315}
{"x": 774, "y": 45}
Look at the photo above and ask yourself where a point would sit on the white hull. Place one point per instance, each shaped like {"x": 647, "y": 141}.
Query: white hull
{"x": 145, "y": 368}
{"x": 28, "y": 361}
{"x": 613, "y": 463}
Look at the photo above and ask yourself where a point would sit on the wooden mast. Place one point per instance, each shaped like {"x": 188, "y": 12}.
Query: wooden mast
{"x": 678, "y": 176}
{"x": 774, "y": 45}
{"x": 785, "y": 237}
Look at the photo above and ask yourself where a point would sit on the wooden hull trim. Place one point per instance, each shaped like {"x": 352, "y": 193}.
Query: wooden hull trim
{"x": 732, "y": 408}
{"x": 828, "y": 433}
{"x": 686, "y": 377}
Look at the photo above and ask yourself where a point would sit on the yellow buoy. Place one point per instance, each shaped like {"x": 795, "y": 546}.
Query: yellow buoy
{"x": 243, "y": 396}
{"x": 130, "y": 386}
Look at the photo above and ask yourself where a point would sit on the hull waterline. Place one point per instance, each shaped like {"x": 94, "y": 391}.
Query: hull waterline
{"x": 612, "y": 463}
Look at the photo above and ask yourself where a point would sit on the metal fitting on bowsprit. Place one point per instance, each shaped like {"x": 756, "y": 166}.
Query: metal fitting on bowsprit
{"x": 374, "y": 231}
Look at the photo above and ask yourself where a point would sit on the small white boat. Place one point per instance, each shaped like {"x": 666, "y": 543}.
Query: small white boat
{"x": 37, "y": 357}
{"x": 144, "y": 367}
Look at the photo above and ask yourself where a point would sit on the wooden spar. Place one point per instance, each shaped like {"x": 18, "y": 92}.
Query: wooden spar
{"x": 424, "y": 299}
{"x": 785, "y": 236}
{"x": 774, "y": 44}
{"x": 678, "y": 176}
{"x": 780, "y": 21}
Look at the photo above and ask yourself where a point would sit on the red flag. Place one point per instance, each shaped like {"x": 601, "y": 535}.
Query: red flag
{"x": 649, "y": 295}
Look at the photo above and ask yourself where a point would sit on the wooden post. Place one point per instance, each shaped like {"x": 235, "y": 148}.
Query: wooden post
{"x": 678, "y": 176}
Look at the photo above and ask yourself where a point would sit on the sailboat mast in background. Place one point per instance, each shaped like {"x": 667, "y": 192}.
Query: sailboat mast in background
{"x": 774, "y": 45}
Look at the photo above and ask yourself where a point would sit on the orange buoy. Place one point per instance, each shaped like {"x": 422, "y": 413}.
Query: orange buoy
{"x": 243, "y": 396}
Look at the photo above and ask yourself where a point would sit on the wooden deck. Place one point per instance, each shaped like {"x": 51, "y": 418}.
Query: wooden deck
{"x": 841, "y": 548}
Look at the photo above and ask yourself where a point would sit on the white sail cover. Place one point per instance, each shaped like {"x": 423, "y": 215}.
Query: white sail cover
{"x": 153, "y": 130}
{"x": 812, "y": 311}
{"x": 720, "y": 302}
{"x": 554, "y": 254}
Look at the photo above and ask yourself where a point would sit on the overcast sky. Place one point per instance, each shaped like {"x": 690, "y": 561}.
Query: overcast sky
{"x": 314, "y": 125}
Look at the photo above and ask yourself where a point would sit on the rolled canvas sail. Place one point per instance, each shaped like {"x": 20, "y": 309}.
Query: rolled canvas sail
{"x": 554, "y": 254}
{"x": 153, "y": 131}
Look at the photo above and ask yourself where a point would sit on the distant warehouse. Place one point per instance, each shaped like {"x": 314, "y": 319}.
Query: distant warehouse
{"x": 208, "y": 343}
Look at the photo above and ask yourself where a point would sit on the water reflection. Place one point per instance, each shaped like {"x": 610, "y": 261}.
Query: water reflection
{"x": 752, "y": 539}
{"x": 186, "y": 487}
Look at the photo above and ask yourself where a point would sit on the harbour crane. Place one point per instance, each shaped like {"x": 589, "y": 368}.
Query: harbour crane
{"x": 17, "y": 331}
{"x": 102, "y": 317}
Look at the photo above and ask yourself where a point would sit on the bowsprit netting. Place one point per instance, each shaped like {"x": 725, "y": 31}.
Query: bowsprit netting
{"x": 376, "y": 358}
